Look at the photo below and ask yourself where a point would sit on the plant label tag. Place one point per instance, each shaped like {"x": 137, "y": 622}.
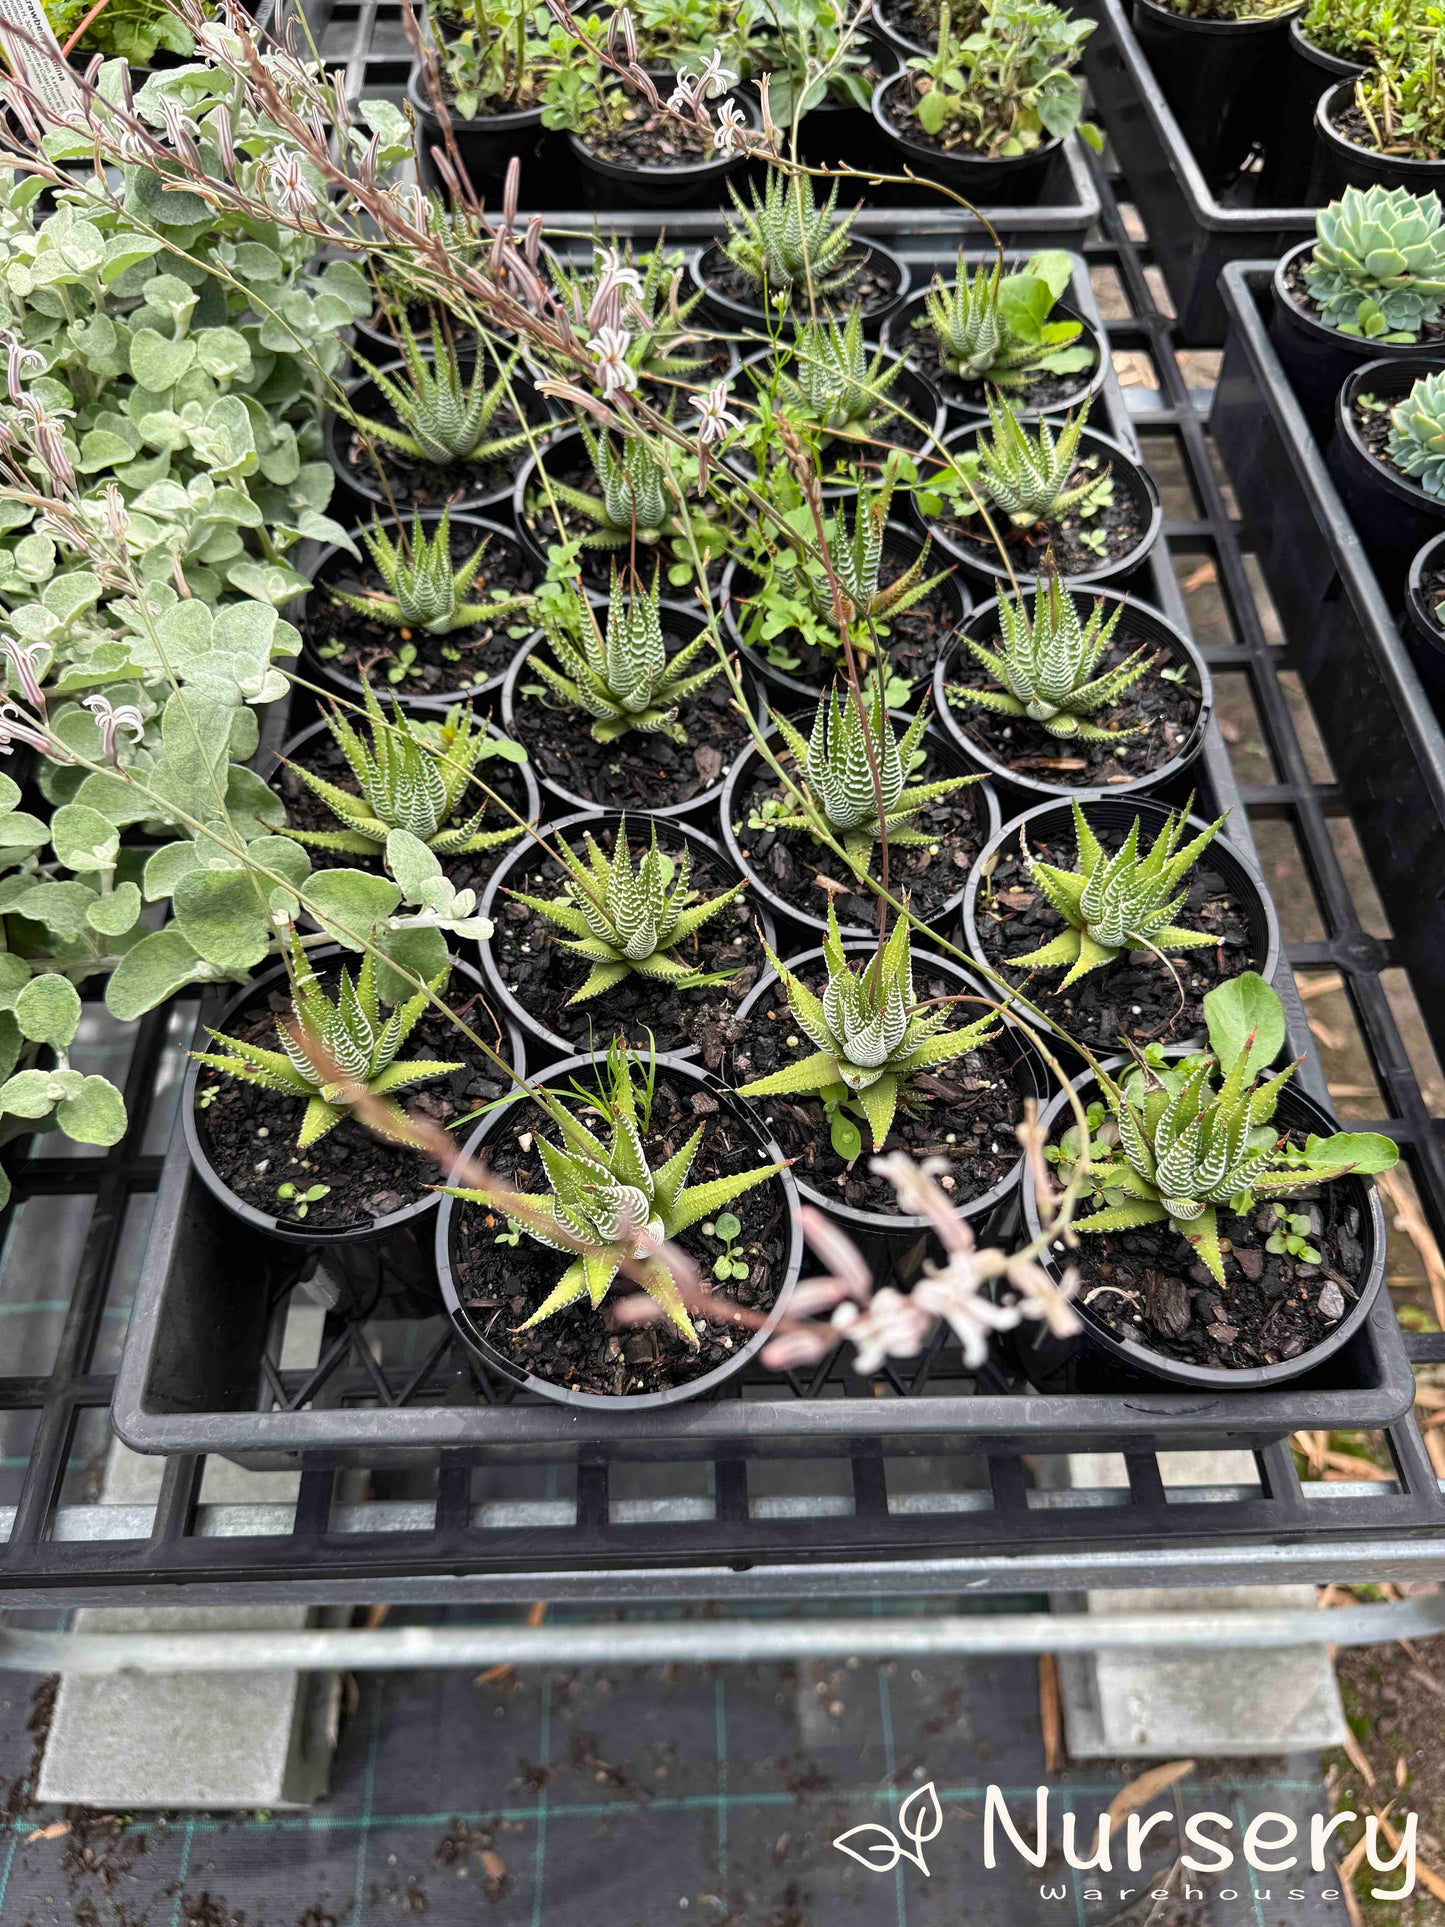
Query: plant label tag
{"x": 34, "y": 55}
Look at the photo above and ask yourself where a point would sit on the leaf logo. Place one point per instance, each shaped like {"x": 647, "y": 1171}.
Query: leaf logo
{"x": 879, "y": 1849}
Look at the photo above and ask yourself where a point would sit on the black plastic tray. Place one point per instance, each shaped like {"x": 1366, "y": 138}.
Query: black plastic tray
{"x": 1192, "y": 234}
{"x": 202, "y": 1365}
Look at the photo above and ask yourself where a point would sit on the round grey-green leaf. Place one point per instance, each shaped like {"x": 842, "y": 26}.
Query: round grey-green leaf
{"x": 95, "y": 1115}
{"x": 48, "y": 1010}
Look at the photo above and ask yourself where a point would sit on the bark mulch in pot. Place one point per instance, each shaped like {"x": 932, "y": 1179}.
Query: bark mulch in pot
{"x": 526, "y": 951}
{"x": 501, "y": 1285}
{"x": 1137, "y": 997}
{"x": 639, "y": 771}
{"x": 306, "y": 811}
{"x": 1161, "y": 712}
{"x": 1373, "y": 426}
{"x": 973, "y": 1106}
{"x": 1432, "y": 594}
{"x": 443, "y": 665}
{"x": 1148, "y": 1286}
{"x": 250, "y": 1133}
{"x": 651, "y": 139}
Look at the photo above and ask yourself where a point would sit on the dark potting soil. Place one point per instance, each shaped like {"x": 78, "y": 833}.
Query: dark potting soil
{"x": 963, "y": 1112}
{"x": 1432, "y": 595}
{"x": 873, "y": 288}
{"x": 652, "y": 139}
{"x": 901, "y": 109}
{"x": 528, "y": 955}
{"x": 914, "y": 640}
{"x": 1137, "y": 997}
{"x": 1147, "y": 1285}
{"x": 250, "y": 1134}
{"x": 306, "y": 811}
{"x": 501, "y": 1285}
{"x": 595, "y": 564}
{"x": 422, "y": 485}
{"x": 930, "y": 875}
{"x": 1298, "y": 291}
{"x": 919, "y": 20}
{"x": 442, "y": 665}
{"x": 1042, "y": 394}
{"x": 1351, "y": 125}
{"x": 638, "y": 771}
{"x": 526, "y": 96}
{"x": 1075, "y": 550}
{"x": 1161, "y": 712}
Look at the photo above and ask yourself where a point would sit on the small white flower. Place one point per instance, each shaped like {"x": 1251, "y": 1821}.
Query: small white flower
{"x": 953, "y": 1293}
{"x": 287, "y": 184}
{"x": 111, "y": 719}
{"x": 714, "y": 79}
{"x": 17, "y": 727}
{"x": 680, "y": 100}
{"x": 892, "y": 1326}
{"x": 24, "y": 669}
{"x": 731, "y": 122}
{"x": 715, "y": 417}
{"x": 615, "y": 373}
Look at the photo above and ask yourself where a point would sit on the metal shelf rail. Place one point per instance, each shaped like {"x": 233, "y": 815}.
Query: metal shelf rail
{"x": 469, "y": 1532}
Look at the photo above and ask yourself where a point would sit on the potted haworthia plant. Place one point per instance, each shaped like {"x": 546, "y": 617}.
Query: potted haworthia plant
{"x": 1370, "y": 286}
{"x": 853, "y": 399}
{"x": 596, "y": 938}
{"x": 595, "y": 1188}
{"x": 1122, "y": 935}
{"x": 782, "y": 835}
{"x": 1232, "y": 1237}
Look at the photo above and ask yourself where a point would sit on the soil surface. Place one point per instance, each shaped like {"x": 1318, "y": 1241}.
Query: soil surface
{"x": 1162, "y": 714}
{"x": 1122, "y": 521}
{"x": 503, "y": 1284}
{"x": 931, "y": 875}
{"x": 571, "y": 468}
{"x": 1297, "y": 289}
{"x": 638, "y": 771}
{"x": 1373, "y": 427}
{"x": 1147, "y": 1284}
{"x": 306, "y": 811}
{"x": 901, "y": 109}
{"x": 914, "y": 640}
{"x": 1351, "y": 125}
{"x": 652, "y": 139}
{"x": 963, "y": 1112}
{"x": 411, "y": 484}
{"x": 1138, "y": 996}
{"x": 1432, "y": 595}
{"x": 250, "y": 1134}
{"x": 919, "y": 20}
{"x": 528, "y": 955}
{"x": 873, "y": 288}
{"x": 1040, "y": 394}
{"x": 443, "y": 665}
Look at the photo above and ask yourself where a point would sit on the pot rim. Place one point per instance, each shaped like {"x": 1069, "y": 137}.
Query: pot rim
{"x": 901, "y": 1223}
{"x": 750, "y": 316}
{"x": 1218, "y": 1378}
{"x": 1326, "y": 130}
{"x": 708, "y": 168}
{"x": 298, "y": 1234}
{"x": 1190, "y": 23}
{"x": 1183, "y": 758}
{"x": 786, "y": 912}
{"x": 680, "y": 612}
{"x": 1414, "y": 586}
{"x": 988, "y": 563}
{"x": 509, "y": 122}
{"x": 625, "y": 1401}
{"x": 965, "y": 412}
{"x": 1389, "y": 479}
{"x": 1319, "y": 56}
{"x": 533, "y": 1027}
{"x": 1005, "y": 162}
{"x": 1143, "y": 806}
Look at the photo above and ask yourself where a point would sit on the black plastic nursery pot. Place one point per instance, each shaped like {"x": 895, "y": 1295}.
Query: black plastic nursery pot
{"x": 950, "y": 602}
{"x": 969, "y": 541}
{"x": 903, "y": 29}
{"x": 1341, "y": 162}
{"x": 564, "y": 455}
{"x": 882, "y": 281}
{"x": 671, "y": 779}
{"x": 1318, "y": 358}
{"x": 382, "y": 1265}
{"x": 486, "y": 144}
{"x": 967, "y": 401}
{"x": 638, "y": 1008}
{"x": 988, "y": 181}
{"x": 1045, "y": 774}
{"x": 910, "y": 416}
{"x": 467, "y": 488}
{"x": 480, "y": 1327}
{"x": 896, "y": 1243}
{"x": 838, "y": 132}
{"x": 1074, "y": 1362}
{"x": 615, "y": 185}
{"x": 1222, "y": 78}
{"x": 1308, "y": 72}
{"x": 1392, "y": 514}
{"x": 1224, "y": 884}
{"x": 1424, "y": 632}
{"x": 430, "y": 680}
{"x": 755, "y": 853}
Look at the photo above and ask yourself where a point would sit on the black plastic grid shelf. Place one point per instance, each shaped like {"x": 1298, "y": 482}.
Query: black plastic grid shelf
{"x": 976, "y": 1512}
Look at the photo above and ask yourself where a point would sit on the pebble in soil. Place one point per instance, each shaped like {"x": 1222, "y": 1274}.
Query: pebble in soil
{"x": 527, "y": 953}
{"x": 873, "y": 288}
{"x": 1156, "y": 717}
{"x": 441, "y": 665}
{"x": 1147, "y": 1285}
{"x": 638, "y": 771}
{"x": 1296, "y": 287}
{"x": 931, "y": 875}
{"x": 249, "y": 1133}
{"x": 323, "y": 757}
{"x": 964, "y": 1112}
{"x": 1079, "y": 544}
{"x": 501, "y": 1285}
{"x": 914, "y": 639}
{"x": 1136, "y": 997}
